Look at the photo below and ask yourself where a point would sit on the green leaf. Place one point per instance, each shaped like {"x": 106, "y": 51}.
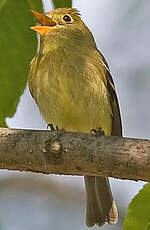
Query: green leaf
{"x": 138, "y": 216}
{"x": 35, "y": 5}
{"x": 18, "y": 45}
{"x": 147, "y": 226}
{"x": 62, "y": 3}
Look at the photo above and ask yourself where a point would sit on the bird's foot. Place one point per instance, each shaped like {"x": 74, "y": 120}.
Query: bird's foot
{"x": 52, "y": 128}
{"x": 97, "y": 132}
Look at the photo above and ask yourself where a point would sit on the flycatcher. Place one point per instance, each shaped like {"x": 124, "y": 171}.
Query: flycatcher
{"x": 73, "y": 88}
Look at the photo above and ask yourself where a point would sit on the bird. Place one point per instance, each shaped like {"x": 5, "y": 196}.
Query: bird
{"x": 72, "y": 85}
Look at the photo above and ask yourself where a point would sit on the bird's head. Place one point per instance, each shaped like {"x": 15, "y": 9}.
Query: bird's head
{"x": 57, "y": 21}
{"x": 62, "y": 27}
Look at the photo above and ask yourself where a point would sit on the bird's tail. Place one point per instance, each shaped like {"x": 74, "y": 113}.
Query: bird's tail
{"x": 100, "y": 206}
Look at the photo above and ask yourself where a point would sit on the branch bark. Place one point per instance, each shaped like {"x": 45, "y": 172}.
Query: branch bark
{"x": 61, "y": 152}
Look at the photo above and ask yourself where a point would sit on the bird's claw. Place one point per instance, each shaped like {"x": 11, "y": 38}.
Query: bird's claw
{"x": 97, "y": 132}
{"x": 52, "y": 128}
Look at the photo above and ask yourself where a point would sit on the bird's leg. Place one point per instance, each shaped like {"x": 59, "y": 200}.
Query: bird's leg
{"x": 97, "y": 132}
{"x": 52, "y": 128}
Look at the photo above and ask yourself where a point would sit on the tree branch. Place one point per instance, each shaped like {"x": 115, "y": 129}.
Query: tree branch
{"x": 62, "y": 152}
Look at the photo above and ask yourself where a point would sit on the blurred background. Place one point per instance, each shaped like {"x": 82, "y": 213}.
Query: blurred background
{"x": 35, "y": 201}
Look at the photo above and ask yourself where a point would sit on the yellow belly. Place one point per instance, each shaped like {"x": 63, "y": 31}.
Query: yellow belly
{"x": 74, "y": 102}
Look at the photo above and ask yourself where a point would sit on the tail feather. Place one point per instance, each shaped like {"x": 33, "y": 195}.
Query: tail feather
{"x": 100, "y": 207}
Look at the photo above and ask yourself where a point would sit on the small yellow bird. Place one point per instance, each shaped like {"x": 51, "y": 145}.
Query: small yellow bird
{"x": 72, "y": 85}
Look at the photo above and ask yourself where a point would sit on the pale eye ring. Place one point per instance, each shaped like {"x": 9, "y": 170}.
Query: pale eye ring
{"x": 67, "y": 18}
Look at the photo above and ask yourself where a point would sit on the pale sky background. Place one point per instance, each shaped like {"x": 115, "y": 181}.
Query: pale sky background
{"x": 34, "y": 201}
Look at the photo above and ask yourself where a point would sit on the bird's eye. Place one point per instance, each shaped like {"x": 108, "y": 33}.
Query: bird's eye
{"x": 67, "y": 18}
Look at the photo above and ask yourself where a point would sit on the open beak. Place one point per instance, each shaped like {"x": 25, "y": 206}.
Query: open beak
{"x": 46, "y": 23}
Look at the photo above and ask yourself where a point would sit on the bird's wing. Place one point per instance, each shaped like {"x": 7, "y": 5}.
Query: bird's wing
{"x": 116, "y": 117}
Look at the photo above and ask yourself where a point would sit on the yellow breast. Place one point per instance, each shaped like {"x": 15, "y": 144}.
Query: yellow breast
{"x": 73, "y": 97}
